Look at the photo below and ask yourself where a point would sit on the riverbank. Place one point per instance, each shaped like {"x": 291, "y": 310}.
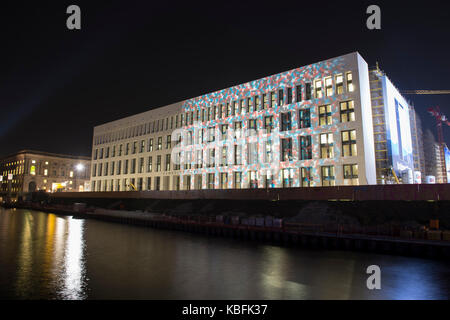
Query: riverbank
{"x": 433, "y": 244}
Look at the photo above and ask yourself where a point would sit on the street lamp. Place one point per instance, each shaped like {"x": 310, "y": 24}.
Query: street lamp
{"x": 80, "y": 167}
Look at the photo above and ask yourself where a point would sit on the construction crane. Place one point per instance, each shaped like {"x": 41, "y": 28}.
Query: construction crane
{"x": 426, "y": 92}
{"x": 440, "y": 119}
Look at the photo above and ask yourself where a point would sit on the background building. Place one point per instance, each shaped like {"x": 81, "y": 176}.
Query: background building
{"x": 433, "y": 163}
{"x": 417, "y": 144}
{"x": 28, "y": 171}
{"x": 392, "y": 130}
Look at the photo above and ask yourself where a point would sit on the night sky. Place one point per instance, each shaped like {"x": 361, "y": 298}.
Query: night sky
{"x": 132, "y": 56}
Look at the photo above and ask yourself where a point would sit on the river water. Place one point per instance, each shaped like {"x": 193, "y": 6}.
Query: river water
{"x": 46, "y": 256}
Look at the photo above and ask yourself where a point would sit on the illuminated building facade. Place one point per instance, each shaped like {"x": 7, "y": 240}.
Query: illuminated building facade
{"x": 394, "y": 129}
{"x": 310, "y": 126}
{"x": 27, "y": 171}
{"x": 417, "y": 145}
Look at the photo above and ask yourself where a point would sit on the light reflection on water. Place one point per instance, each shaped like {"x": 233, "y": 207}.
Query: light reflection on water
{"x": 44, "y": 256}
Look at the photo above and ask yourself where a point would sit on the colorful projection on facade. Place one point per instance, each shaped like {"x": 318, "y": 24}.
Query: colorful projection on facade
{"x": 266, "y": 132}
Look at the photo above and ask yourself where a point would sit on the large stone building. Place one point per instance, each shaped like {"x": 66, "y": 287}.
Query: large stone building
{"x": 317, "y": 125}
{"x": 28, "y": 170}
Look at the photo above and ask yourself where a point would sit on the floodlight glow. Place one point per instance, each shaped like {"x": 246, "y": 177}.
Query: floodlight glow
{"x": 80, "y": 167}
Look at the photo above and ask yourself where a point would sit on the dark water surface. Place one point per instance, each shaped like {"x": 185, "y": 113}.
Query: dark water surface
{"x": 45, "y": 256}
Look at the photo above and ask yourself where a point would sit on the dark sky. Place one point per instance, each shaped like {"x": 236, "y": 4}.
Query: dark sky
{"x": 131, "y": 56}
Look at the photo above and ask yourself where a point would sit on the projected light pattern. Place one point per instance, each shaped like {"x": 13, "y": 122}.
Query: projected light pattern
{"x": 196, "y": 109}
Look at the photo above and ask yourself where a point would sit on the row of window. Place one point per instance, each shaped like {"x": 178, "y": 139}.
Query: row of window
{"x": 272, "y": 99}
{"x": 132, "y": 148}
{"x": 326, "y": 141}
{"x": 130, "y": 166}
{"x": 327, "y": 174}
{"x": 168, "y": 123}
{"x": 326, "y": 87}
{"x": 347, "y": 113}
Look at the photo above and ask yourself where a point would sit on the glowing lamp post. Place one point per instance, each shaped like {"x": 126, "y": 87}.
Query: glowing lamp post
{"x": 80, "y": 168}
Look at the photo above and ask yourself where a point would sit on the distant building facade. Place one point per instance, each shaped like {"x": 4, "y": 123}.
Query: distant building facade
{"x": 433, "y": 161}
{"x": 417, "y": 143}
{"x": 393, "y": 131}
{"x": 28, "y": 171}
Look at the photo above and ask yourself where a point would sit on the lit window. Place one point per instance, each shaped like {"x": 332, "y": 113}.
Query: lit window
{"x": 251, "y": 127}
{"x": 223, "y": 131}
{"x": 159, "y": 143}
{"x": 306, "y": 176}
{"x": 167, "y": 162}
{"x": 351, "y": 174}
{"x": 328, "y": 176}
{"x": 288, "y": 177}
{"x": 349, "y": 82}
{"x": 257, "y": 103}
{"x": 328, "y": 87}
{"x": 237, "y": 180}
{"x": 211, "y": 180}
{"x": 347, "y": 111}
{"x": 211, "y": 133}
{"x": 158, "y": 163}
{"x": 272, "y": 99}
{"x": 265, "y": 101}
{"x": 223, "y": 180}
{"x": 149, "y": 164}
{"x": 33, "y": 170}
{"x": 339, "y": 84}
{"x": 71, "y": 174}
{"x": 326, "y": 145}
{"x": 325, "y": 115}
{"x": 211, "y": 153}
{"x": 149, "y": 147}
{"x": 268, "y": 124}
{"x": 318, "y": 88}
{"x": 45, "y": 172}
{"x": 349, "y": 143}
{"x": 253, "y": 179}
